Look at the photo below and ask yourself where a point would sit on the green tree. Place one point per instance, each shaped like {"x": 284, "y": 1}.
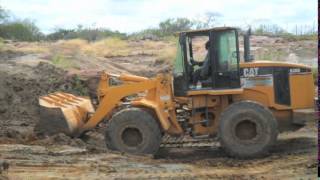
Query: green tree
{"x": 270, "y": 29}
{"x": 24, "y": 30}
{"x": 89, "y": 34}
{"x": 170, "y": 26}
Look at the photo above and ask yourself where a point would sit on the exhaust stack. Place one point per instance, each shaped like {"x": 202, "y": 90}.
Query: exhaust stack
{"x": 246, "y": 40}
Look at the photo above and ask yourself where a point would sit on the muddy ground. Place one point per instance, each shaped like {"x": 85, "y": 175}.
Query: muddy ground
{"x": 24, "y": 76}
{"x": 293, "y": 157}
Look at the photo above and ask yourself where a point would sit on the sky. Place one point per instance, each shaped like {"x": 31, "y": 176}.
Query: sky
{"x": 134, "y": 15}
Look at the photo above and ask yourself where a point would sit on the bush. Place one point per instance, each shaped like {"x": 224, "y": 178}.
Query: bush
{"x": 151, "y": 33}
{"x": 292, "y": 37}
{"x": 20, "y": 30}
{"x": 79, "y": 86}
{"x": 1, "y": 43}
{"x": 275, "y": 30}
{"x": 165, "y": 28}
{"x": 270, "y": 29}
{"x": 170, "y": 26}
{"x": 89, "y": 34}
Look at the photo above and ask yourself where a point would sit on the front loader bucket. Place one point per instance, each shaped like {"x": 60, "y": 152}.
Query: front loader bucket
{"x": 62, "y": 113}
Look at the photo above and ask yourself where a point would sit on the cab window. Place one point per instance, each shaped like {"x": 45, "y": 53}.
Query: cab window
{"x": 179, "y": 65}
{"x": 226, "y": 50}
{"x": 199, "y": 50}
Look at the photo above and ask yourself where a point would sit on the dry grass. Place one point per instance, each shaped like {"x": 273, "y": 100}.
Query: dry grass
{"x": 28, "y": 47}
{"x": 154, "y": 45}
{"x": 114, "y": 47}
{"x": 35, "y": 49}
{"x": 166, "y": 55}
{"x": 62, "y": 62}
{"x": 171, "y": 39}
{"x": 69, "y": 54}
{"x": 73, "y": 43}
{"x": 69, "y": 47}
{"x": 109, "y": 47}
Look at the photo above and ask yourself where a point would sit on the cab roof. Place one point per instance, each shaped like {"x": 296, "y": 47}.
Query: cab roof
{"x": 207, "y": 30}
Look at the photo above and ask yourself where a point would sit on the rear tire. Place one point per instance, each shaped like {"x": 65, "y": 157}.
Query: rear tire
{"x": 247, "y": 130}
{"x": 134, "y": 131}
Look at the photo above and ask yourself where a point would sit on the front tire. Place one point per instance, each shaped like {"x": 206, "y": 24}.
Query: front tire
{"x": 133, "y": 131}
{"x": 247, "y": 130}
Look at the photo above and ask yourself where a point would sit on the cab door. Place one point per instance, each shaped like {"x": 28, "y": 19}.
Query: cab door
{"x": 225, "y": 57}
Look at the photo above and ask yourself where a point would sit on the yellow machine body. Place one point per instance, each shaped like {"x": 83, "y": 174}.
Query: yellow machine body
{"x": 280, "y": 89}
{"x": 156, "y": 95}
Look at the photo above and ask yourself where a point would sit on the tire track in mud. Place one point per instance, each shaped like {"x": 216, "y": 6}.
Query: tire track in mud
{"x": 291, "y": 157}
{"x": 294, "y": 155}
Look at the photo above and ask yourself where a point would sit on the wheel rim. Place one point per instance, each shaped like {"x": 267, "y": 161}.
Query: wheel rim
{"x": 131, "y": 137}
{"x": 246, "y": 130}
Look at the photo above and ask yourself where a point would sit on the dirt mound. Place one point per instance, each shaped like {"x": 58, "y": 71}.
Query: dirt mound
{"x": 20, "y": 88}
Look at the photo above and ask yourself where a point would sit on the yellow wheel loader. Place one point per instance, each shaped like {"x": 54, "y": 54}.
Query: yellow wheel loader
{"x": 243, "y": 105}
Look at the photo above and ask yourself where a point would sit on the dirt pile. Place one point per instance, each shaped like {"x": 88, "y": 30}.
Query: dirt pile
{"x": 20, "y": 88}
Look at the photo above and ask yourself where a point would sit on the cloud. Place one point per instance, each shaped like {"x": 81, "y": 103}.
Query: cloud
{"x": 131, "y": 15}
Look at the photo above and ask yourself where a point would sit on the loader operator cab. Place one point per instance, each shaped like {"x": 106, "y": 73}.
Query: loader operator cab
{"x": 207, "y": 60}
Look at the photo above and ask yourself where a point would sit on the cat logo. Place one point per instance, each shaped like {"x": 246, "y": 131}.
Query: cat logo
{"x": 250, "y": 72}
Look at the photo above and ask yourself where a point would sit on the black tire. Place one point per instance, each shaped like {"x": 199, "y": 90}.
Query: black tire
{"x": 247, "y": 130}
{"x": 134, "y": 131}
